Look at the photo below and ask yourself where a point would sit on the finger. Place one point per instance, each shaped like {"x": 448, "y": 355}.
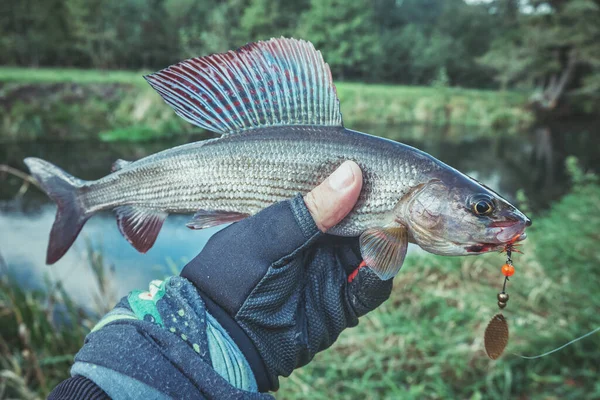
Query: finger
{"x": 333, "y": 199}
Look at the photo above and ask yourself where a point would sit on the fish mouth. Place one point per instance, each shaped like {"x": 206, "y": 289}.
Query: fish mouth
{"x": 508, "y": 226}
{"x": 520, "y": 237}
{"x": 482, "y": 247}
{"x": 486, "y": 247}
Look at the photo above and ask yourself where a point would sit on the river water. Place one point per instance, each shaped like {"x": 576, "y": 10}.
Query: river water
{"x": 532, "y": 162}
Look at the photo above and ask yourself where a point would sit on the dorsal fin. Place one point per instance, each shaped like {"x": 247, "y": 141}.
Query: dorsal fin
{"x": 272, "y": 83}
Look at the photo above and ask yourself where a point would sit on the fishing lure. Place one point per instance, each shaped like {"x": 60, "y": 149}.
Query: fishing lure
{"x": 497, "y": 333}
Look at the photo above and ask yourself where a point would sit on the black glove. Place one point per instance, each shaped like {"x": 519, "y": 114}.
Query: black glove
{"x": 281, "y": 287}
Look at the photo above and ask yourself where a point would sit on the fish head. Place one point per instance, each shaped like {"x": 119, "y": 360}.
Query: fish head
{"x": 459, "y": 216}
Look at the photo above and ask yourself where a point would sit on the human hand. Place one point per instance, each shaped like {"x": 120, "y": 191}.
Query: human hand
{"x": 282, "y": 288}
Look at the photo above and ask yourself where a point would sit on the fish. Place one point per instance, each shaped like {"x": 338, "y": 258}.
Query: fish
{"x": 275, "y": 106}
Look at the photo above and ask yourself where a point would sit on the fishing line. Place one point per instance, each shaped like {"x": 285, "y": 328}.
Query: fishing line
{"x": 559, "y": 348}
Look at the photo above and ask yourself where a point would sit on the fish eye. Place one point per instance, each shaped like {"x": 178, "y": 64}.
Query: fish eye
{"x": 483, "y": 207}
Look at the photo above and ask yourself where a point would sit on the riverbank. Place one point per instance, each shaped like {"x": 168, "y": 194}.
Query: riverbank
{"x": 425, "y": 342}
{"x": 119, "y": 105}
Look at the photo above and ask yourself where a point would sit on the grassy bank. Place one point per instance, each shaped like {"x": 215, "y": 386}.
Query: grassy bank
{"x": 425, "y": 342}
{"x": 67, "y": 104}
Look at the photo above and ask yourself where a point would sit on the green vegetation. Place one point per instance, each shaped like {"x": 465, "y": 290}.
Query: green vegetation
{"x": 66, "y": 110}
{"x": 426, "y": 342}
{"x": 62, "y": 78}
{"x": 405, "y": 42}
{"x": 380, "y": 105}
{"x": 41, "y": 330}
{"x": 549, "y": 47}
{"x": 70, "y": 75}
{"x": 554, "y": 46}
{"x": 71, "y": 104}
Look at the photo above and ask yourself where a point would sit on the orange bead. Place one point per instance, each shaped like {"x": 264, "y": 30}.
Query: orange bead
{"x": 508, "y": 270}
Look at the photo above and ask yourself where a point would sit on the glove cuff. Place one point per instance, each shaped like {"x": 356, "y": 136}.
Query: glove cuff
{"x": 78, "y": 387}
{"x": 246, "y": 346}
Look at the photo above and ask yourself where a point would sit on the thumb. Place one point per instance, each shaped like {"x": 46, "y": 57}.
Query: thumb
{"x": 333, "y": 199}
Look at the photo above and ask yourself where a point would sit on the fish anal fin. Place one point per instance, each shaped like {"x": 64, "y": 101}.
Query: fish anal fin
{"x": 270, "y": 83}
{"x": 384, "y": 249}
{"x": 119, "y": 164}
{"x": 209, "y": 218}
{"x": 140, "y": 226}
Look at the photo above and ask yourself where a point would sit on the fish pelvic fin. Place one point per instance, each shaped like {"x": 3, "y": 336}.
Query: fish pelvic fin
{"x": 208, "y": 218}
{"x": 270, "y": 83}
{"x": 64, "y": 190}
{"x": 140, "y": 226}
{"x": 384, "y": 249}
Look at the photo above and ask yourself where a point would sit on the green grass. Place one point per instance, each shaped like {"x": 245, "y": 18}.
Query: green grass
{"x": 67, "y": 75}
{"x": 34, "y": 97}
{"x": 425, "y": 342}
{"x": 42, "y": 330}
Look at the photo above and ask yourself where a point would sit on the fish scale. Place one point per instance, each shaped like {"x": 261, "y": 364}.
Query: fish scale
{"x": 220, "y": 175}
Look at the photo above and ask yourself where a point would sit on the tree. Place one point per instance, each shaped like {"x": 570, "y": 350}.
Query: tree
{"x": 422, "y": 38}
{"x": 190, "y": 20}
{"x": 93, "y": 33}
{"x": 471, "y": 29}
{"x": 554, "y": 47}
{"x": 29, "y": 36}
{"x": 344, "y": 32}
{"x": 263, "y": 19}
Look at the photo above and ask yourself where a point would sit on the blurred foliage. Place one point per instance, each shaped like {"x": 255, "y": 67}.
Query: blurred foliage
{"x": 70, "y": 104}
{"x": 330, "y": 23}
{"x": 109, "y": 111}
{"x": 482, "y": 44}
{"x": 397, "y": 41}
{"x": 41, "y": 330}
{"x": 425, "y": 342}
{"x": 555, "y": 47}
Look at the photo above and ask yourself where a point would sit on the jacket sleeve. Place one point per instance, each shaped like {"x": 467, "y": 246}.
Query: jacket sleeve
{"x": 160, "y": 343}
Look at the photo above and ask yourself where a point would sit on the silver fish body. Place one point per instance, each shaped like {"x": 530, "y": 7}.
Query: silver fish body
{"x": 276, "y": 107}
{"x": 248, "y": 172}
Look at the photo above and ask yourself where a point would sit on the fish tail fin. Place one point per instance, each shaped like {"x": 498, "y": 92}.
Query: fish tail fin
{"x": 64, "y": 189}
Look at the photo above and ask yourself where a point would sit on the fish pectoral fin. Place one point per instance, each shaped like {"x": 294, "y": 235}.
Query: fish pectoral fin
{"x": 119, "y": 164}
{"x": 140, "y": 226}
{"x": 209, "y": 218}
{"x": 384, "y": 249}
